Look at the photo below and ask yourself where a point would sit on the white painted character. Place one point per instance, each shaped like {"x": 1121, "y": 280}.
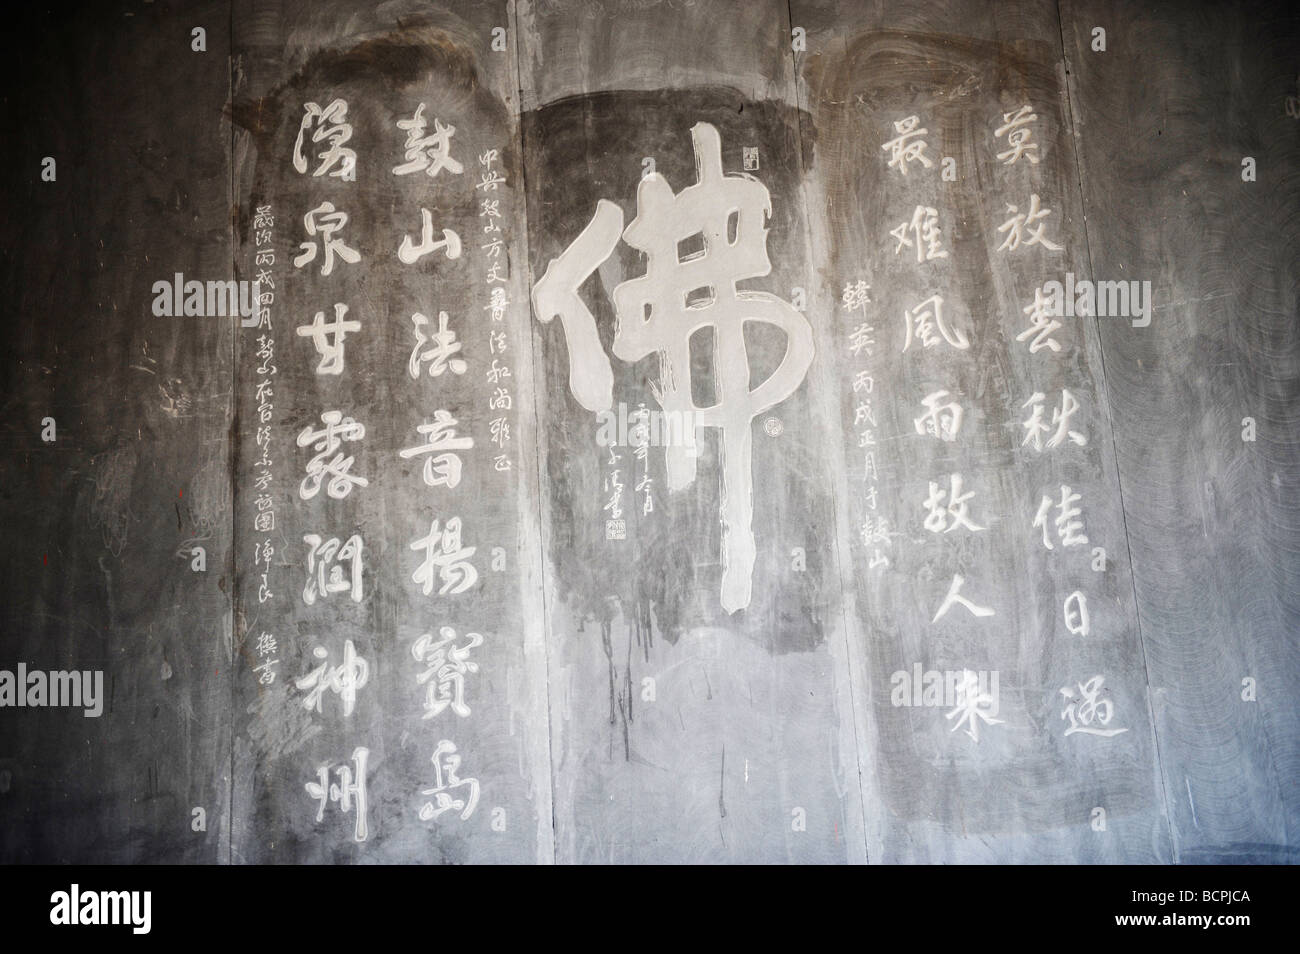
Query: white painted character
{"x": 446, "y": 766}
{"x": 1068, "y": 526}
{"x": 971, "y": 706}
{"x": 941, "y": 420}
{"x": 343, "y": 680}
{"x": 348, "y": 792}
{"x": 324, "y": 221}
{"x": 331, "y": 126}
{"x": 954, "y": 596}
{"x": 328, "y": 338}
{"x": 925, "y": 235}
{"x": 1041, "y": 324}
{"x": 1035, "y": 427}
{"x": 326, "y": 563}
{"x": 856, "y": 295}
{"x": 862, "y": 339}
{"x": 1076, "y": 614}
{"x": 446, "y": 666}
{"x": 338, "y": 469}
{"x": 907, "y": 146}
{"x": 444, "y": 469}
{"x": 443, "y": 551}
{"x": 677, "y": 296}
{"x": 499, "y": 431}
{"x": 941, "y": 519}
{"x": 1014, "y": 127}
{"x": 490, "y": 180}
{"x": 497, "y": 303}
{"x": 428, "y": 154}
{"x": 1019, "y": 231}
{"x": 924, "y": 317}
{"x": 864, "y": 413}
{"x": 410, "y": 253}
{"x": 1087, "y": 714}
{"x": 442, "y": 353}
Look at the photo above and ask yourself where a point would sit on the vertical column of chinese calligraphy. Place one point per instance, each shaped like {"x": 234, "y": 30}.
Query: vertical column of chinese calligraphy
{"x": 334, "y": 566}
{"x": 265, "y": 646}
{"x": 933, "y": 331}
{"x": 1058, "y": 516}
{"x": 613, "y": 487}
{"x": 861, "y": 345}
{"x": 641, "y": 434}
{"x": 500, "y": 401}
{"x": 447, "y": 660}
